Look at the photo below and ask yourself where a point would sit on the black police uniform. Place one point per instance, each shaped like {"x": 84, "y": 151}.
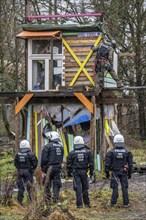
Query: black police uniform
{"x": 78, "y": 162}
{"x": 51, "y": 160}
{"x": 120, "y": 161}
{"x": 26, "y": 162}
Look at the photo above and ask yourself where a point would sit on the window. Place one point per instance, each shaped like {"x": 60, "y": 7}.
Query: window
{"x": 41, "y": 47}
{"x": 38, "y": 73}
{"x": 39, "y": 64}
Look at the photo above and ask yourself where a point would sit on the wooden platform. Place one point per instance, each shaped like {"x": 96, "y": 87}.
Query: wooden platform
{"x": 108, "y": 97}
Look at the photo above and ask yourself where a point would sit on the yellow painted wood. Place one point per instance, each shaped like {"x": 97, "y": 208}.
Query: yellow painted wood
{"x": 79, "y": 63}
{"x": 85, "y": 101}
{"x": 84, "y": 63}
{"x": 36, "y": 135}
{"x": 22, "y": 102}
{"x": 64, "y": 144}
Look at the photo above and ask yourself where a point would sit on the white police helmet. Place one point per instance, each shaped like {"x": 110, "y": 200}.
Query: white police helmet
{"x": 118, "y": 140}
{"x": 78, "y": 140}
{"x": 52, "y": 135}
{"x": 24, "y": 144}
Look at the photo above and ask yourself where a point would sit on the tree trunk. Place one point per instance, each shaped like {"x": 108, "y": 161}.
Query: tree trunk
{"x": 6, "y": 123}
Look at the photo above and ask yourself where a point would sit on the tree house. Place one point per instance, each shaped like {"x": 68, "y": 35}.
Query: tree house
{"x": 60, "y": 87}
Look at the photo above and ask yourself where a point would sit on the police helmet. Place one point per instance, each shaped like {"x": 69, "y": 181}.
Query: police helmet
{"x": 78, "y": 140}
{"x": 52, "y": 135}
{"x": 118, "y": 140}
{"x": 24, "y": 144}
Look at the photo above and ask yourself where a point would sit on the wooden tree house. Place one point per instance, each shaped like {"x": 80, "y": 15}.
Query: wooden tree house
{"x": 61, "y": 89}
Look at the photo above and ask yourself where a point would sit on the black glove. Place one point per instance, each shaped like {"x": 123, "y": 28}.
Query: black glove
{"x": 91, "y": 174}
{"x": 107, "y": 175}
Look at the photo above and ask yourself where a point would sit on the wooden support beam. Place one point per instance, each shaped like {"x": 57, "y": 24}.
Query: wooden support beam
{"x": 85, "y": 101}
{"x": 22, "y": 102}
{"x": 108, "y": 141}
{"x": 126, "y": 54}
{"x": 93, "y": 144}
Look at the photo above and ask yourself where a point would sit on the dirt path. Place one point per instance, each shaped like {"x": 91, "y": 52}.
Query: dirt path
{"x": 99, "y": 209}
{"x": 99, "y": 197}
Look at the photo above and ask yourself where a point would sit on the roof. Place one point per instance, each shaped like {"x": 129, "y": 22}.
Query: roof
{"x": 27, "y": 34}
{"x": 64, "y": 28}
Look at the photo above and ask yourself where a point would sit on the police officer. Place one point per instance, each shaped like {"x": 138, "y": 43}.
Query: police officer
{"x": 78, "y": 162}
{"x": 104, "y": 59}
{"x": 51, "y": 163}
{"x": 26, "y": 162}
{"x": 120, "y": 161}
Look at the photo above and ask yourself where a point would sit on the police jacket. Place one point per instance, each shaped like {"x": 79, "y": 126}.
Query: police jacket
{"x": 52, "y": 154}
{"x": 25, "y": 159}
{"x": 118, "y": 158}
{"x": 80, "y": 158}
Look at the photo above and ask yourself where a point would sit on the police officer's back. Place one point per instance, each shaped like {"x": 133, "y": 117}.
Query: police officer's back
{"x": 51, "y": 161}
{"x": 26, "y": 162}
{"x": 78, "y": 162}
{"x": 120, "y": 161}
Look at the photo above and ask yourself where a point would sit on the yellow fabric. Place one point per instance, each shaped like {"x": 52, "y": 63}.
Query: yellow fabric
{"x": 107, "y": 129}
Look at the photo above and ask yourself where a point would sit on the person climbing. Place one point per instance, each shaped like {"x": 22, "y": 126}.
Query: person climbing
{"x": 51, "y": 164}
{"x": 79, "y": 161}
{"x": 104, "y": 60}
{"x": 120, "y": 161}
{"x": 25, "y": 162}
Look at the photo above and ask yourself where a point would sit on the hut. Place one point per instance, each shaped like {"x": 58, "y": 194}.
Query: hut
{"x": 61, "y": 93}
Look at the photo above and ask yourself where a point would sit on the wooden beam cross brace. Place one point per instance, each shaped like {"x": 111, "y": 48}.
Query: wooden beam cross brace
{"x": 82, "y": 65}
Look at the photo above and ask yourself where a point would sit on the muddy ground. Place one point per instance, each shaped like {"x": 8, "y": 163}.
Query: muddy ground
{"x": 99, "y": 195}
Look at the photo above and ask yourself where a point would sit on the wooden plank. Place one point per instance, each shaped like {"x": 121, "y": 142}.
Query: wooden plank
{"x": 22, "y": 102}
{"x": 28, "y": 122}
{"x": 85, "y": 83}
{"x": 39, "y": 138}
{"x": 84, "y": 63}
{"x": 71, "y": 59}
{"x": 108, "y": 141}
{"x": 68, "y": 65}
{"x": 81, "y": 38}
{"x": 36, "y": 134}
{"x": 80, "y": 53}
{"x": 85, "y": 101}
{"x": 126, "y": 54}
{"x": 74, "y": 70}
{"x": 80, "y": 41}
{"x": 93, "y": 127}
{"x": 78, "y": 49}
{"x": 67, "y": 75}
{"x": 78, "y": 61}
{"x": 80, "y": 79}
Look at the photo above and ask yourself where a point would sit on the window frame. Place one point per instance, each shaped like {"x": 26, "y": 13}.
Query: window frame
{"x": 46, "y": 58}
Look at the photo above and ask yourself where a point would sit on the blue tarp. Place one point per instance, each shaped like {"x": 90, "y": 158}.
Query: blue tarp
{"x": 81, "y": 117}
